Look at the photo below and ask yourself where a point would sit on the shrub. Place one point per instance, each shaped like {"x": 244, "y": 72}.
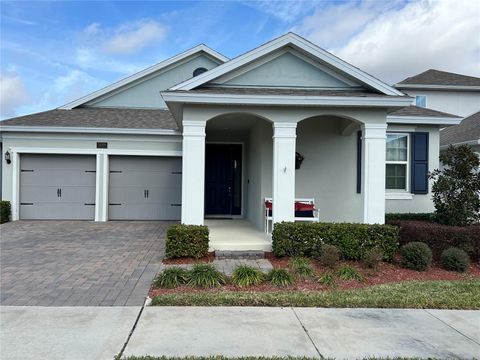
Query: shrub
{"x": 349, "y": 273}
{"x": 5, "y": 211}
{"x": 172, "y": 277}
{"x": 302, "y": 267}
{"x": 440, "y": 237}
{"x": 416, "y": 255}
{"x": 373, "y": 258}
{"x": 245, "y": 275}
{"x": 329, "y": 256}
{"x": 327, "y": 278}
{"x": 410, "y": 216}
{"x": 186, "y": 241}
{"x": 455, "y": 259}
{"x": 456, "y": 190}
{"x": 306, "y": 239}
{"x": 206, "y": 276}
{"x": 280, "y": 277}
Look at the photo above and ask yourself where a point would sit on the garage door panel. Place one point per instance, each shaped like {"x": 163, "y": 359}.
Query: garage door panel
{"x": 57, "y": 187}
{"x": 145, "y": 188}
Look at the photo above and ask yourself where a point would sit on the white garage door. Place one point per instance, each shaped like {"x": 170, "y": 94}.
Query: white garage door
{"x": 145, "y": 188}
{"x": 57, "y": 187}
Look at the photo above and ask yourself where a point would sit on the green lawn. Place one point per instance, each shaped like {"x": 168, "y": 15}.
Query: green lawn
{"x": 463, "y": 294}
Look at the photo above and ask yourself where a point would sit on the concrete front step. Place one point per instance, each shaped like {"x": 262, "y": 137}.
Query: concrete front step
{"x": 239, "y": 246}
{"x": 248, "y": 254}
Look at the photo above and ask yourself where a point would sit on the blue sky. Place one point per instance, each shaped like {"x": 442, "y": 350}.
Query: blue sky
{"x": 54, "y": 52}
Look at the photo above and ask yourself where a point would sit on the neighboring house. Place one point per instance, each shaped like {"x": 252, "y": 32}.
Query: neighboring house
{"x": 467, "y": 132}
{"x": 200, "y": 135}
{"x": 444, "y": 91}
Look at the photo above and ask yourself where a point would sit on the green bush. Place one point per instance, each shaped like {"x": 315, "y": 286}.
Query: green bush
{"x": 301, "y": 266}
{"x": 172, "y": 277}
{"x": 5, "y": 211}
{"x": 280, "y": 277}
{"x": 349, "y": 273}
{"x": 186, "y": 241}
{"x": 455, "y": 259}
{"x": 353, "y": 240}
{"x": 416, "y": 255}
{"x": 328, "y": 279}
{"x": 373, "y": 258}
{"x": 410, "y": 216}
{"x": 245, "y": 275}
{"x": 206, "y": 276}
{"x": 329, "y": 256}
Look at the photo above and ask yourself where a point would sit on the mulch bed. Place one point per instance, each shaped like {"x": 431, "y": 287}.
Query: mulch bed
{"x": 190, "y": 260}
{"x": 387, "y": 273}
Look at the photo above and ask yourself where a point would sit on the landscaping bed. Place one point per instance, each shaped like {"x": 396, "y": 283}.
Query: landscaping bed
{"x": 191, "y": 260}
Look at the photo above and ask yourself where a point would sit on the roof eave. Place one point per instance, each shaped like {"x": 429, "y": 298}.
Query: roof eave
{"x": 73, "y": 129}
{"x": 284, "y": 100}
{"x": 425, "y": 120}
{"x": 437, "y": 87}
{"x": 467, "y": 142}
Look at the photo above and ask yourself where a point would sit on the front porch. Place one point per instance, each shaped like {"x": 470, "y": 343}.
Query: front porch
{"x": 237, "y": 235}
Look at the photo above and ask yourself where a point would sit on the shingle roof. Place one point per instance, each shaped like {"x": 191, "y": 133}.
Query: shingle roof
{"x": 467, "y": 130}
{"x": 437, "y": 77}
{"x": 282, "y": 91}
{"x": 421, "y": 112}
{"x": 98, "y": 118}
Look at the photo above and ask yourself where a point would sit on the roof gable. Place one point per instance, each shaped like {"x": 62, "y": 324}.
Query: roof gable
{"x": 304, "y": 47}
{"x": 201, "y": 55}
{"x": 286, "y": 68}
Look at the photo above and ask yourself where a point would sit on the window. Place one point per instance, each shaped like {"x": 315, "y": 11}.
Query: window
{"x": 421, "y": 100}
{"x": 397, "y": 162}
{"x": 199, "y": 71}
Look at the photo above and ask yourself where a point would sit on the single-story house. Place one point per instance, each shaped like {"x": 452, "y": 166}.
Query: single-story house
{"x": 203, "y": 136}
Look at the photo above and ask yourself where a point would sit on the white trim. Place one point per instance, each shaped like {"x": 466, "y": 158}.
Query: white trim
{"x": 407, "y": 163}
{"x": 129, "y": 139}
{"x": 15, "y": 184}
{"x": 74, "y": 129}
{"x": 398, "y": 196}
{"x": 106, "y": 188}
{"x": 428, "y": 120}
{"x": 98, "y": 175}
{"x": 254, "y": 99}
{"x": 77, "y": 151}
{"x": 216, "y": 55}
{"x": 437, "y": 87}
{"x": 289, "y": 39}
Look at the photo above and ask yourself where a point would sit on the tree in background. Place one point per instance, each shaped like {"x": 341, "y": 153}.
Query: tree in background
{"x": 456, "y": 190}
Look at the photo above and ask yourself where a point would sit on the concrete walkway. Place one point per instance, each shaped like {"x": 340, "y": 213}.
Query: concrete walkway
{"x": 338, "y": 333}
{"x": 97, "y": 333}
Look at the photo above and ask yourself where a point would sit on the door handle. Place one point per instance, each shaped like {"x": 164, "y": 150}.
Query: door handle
{"x": 59, "y": 192}
{"x": 147, "y": 193}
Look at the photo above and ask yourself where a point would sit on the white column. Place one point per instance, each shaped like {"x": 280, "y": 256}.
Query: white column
{"x": 284, "y": 138}
{"x": 373, "y": 173}
{"x": 193, "y": 172}
{"x": 101, "y": 188}
{"x": 15, "y": 203}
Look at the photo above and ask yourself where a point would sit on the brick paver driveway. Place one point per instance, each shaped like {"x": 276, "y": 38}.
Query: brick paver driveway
{"x": 79, "y": 263}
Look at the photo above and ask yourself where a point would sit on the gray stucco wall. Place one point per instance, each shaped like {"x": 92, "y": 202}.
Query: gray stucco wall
{"x": 145, "y": 93}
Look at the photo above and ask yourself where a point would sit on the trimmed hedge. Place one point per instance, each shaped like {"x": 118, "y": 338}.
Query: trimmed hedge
{"x": 410, "y": 216}
{"x": 441, "y": 237}
{"x": 5, "y": 211}
{"x": 353, "y": 240}
{"x": 186, "y": 241}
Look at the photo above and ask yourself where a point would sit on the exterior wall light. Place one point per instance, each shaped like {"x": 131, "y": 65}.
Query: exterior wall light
{"x": 298, "y": 160}
{"x": 8, "y": 158}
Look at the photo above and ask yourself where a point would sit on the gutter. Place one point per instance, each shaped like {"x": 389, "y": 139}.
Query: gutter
{"x": 71, "y": 129}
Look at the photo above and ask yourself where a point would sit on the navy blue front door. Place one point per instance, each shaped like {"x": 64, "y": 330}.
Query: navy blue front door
{"x": 223, "y": 179}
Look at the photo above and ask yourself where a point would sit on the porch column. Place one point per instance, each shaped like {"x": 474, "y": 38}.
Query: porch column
{"x": 193, "y": 172}
{"x": 284, "y": 138}
{"x": 373, "y": 173}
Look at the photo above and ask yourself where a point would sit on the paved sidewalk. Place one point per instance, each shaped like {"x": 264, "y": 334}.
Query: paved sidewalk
{"x": 339, "y": 333}
{"x": 60, "y": 333}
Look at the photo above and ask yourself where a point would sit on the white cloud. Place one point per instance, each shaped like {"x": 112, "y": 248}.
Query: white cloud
{"x": 74, "y": 84}
{"x": 12, "y": 94}
{"x": 286, "y": 11}
{"x": 403, "y": 41}
{"x": 132, "y": 37}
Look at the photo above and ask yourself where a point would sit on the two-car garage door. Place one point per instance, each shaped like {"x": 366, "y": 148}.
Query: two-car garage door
{"x": 63, "y": 187}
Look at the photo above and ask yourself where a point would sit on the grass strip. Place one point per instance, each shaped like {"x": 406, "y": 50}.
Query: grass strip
{"x": 464, "y": 294}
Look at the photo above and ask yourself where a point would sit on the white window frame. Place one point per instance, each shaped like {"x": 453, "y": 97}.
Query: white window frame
{"x": 406, "y": 191}
{"x": 426, "y": 99}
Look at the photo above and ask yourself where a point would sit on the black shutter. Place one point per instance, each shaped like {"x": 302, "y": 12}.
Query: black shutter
{"x": 359, "y": 162}
{"x": 419, "y": 178}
